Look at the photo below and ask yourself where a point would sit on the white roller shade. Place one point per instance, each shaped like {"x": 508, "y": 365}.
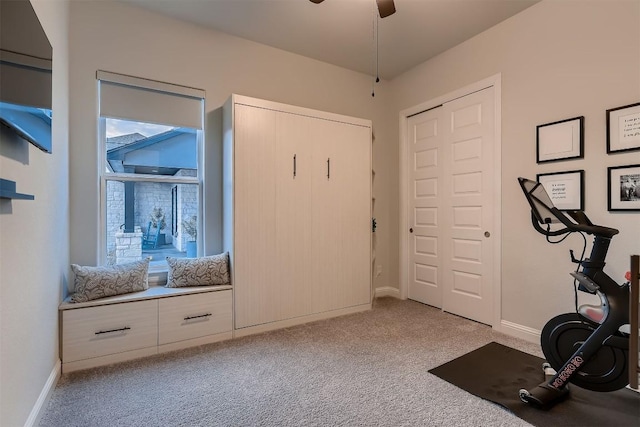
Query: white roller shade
{"x": 132, "y": 98}
{"x": 25, "y": 80}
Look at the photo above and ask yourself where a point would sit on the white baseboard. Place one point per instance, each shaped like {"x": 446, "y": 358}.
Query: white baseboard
{"x": 523, "y": 332}
{"x": 387, "y": 291}
{"x": 45, "y": 394}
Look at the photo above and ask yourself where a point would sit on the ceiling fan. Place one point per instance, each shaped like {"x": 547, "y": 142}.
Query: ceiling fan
{"x": 385, "y": 7}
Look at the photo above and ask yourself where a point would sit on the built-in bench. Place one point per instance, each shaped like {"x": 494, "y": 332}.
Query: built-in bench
{"x": 128, "y": 326}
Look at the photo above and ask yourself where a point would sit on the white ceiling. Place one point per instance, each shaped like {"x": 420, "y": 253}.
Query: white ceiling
{"x": 341, "y": 32}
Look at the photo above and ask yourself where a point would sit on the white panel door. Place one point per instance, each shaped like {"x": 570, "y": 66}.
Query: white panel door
{"x": 255, "y": 262}
{"x": 467, "y": 208}
{"x": 341, "y": 215}
{"x": 425, "y": 211}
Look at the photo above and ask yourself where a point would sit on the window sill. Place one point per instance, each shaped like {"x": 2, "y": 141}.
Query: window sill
{"x": 158, "y": 274}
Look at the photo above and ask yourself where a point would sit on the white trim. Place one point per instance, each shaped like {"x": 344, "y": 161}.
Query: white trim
{"x": 497, "y": 201}
{"x": 387, "y": 291}
{"x": 494, "y": 81}
{"x": 519, "y": 331}
{"x": 637, "y": 390}
{"x": 122, "y": 176}
{"x": 45, "y": 395}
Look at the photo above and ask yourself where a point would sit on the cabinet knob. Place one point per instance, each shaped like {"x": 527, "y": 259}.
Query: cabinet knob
{"x": 411, "y": 230}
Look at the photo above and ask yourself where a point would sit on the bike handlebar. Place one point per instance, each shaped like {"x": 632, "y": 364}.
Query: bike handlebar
{"x": 588, "y": 228}
{"x": 547, "y": 232}
{"x": 538, "y": 205}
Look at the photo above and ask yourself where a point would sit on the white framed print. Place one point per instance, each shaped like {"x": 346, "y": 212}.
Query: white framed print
{"x": 566, "y": 189}
{"x": 561, "y": 140}
{"x": 623, "y": 128}
{"x": 624, "y": 188}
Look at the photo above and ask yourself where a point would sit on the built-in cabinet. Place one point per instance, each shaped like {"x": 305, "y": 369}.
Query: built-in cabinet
{"x": 140, "y": 324}
{"x": 297, "y": 225}
{"x": 297, "y": 212}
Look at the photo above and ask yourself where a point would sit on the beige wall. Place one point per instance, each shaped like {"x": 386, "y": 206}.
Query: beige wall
{"x": 558, "y": 60}
{"x": 34, "y": 244}
{"x": 120, "y": 38}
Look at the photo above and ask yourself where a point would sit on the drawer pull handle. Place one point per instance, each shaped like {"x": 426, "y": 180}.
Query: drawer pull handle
{"x": 126, "y": 328}
{"x": 198, "y": 317}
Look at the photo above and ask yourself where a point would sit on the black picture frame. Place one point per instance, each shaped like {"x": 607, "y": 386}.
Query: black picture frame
{"x": 566, "y": 189}
{"x": 561, "y": 140}
{"x": 623, "y": 188}
{"x": 623, "y": 129}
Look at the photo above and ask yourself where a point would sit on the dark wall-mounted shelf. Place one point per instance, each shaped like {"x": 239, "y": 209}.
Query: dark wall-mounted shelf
{"x": 8, "y": 191}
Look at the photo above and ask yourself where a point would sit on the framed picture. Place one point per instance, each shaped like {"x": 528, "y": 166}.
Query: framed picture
{"x": 561, "y": 140}
{"x": 566, "y": 189}
{"x": 623, "y": 128}
{"x": 624, "y": 188}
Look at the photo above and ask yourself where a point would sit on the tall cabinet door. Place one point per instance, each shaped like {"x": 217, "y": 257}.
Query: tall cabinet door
{"x": 293, "y": 211}
{"x": 355, "y": 229}
{"x": 255, "y": 262}
{"x": 301, "y": 209}
{"x": 341, "y": 215}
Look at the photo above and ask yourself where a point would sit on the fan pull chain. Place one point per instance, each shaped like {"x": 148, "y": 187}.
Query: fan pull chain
{"x": 377, "y": 48}
{"x": 374, "y": 62}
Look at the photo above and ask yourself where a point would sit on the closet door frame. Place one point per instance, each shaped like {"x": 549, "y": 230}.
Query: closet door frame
{"x": 495, "y": 82}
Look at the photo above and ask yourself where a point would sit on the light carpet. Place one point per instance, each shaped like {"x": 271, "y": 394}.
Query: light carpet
{"x": 364, "y": 369}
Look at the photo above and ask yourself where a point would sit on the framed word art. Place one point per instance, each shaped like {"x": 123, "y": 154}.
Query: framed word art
{"x": 566, "y": 189}
{"x": 623, "y": 128}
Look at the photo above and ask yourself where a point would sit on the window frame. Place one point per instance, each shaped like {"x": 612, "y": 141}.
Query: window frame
{"x": 157, "y": 273}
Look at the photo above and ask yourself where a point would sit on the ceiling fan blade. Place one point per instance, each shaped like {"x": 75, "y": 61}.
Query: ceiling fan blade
{"x": 385, "y": 7}
{"x": 316, "y": 1}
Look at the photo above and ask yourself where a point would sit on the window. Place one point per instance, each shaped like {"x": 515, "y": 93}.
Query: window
{"x": 151, "y": 145}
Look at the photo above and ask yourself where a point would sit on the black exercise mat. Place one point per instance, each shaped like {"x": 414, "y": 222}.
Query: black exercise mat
{"x": 496, "y": 372}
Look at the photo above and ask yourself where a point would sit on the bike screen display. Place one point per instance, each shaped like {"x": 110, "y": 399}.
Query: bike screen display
{"x": 539, "y": 200}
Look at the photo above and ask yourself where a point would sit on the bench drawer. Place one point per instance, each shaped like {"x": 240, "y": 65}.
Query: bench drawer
{"x": 193, "y": 316}
{"x": 103, "y": 330}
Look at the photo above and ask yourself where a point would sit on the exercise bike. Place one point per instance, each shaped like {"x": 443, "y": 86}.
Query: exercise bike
{"x": 585, "y": 348}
